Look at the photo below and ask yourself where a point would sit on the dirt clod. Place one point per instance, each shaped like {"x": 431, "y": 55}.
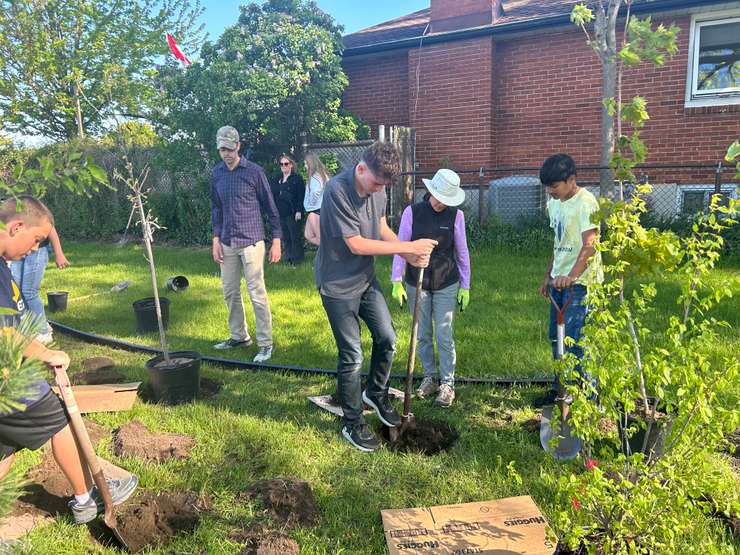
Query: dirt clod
{"x": 288, "y": 501}
{"x": 427, "y": 437}
{"x": 92, "y": 364}
{"x": 135, "y": 440}
{"x": 209, "y": 388}
{"x": 97, "y": 377}
{"x": 259, "y": 540}
{"x": 151, "y": 518}
{"x": 532, "y": 425}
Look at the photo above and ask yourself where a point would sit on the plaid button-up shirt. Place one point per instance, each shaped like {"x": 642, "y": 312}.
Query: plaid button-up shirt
{"x": 239, "y": 198}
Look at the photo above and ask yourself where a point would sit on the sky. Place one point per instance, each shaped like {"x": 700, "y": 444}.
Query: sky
{"x": 352, "y": 14}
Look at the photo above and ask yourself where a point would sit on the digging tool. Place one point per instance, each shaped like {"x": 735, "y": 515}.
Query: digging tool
{"x": 407, "y": 418}
{"x": 568, "y": 445}
{"x": 82, "y": 439}
{"x": 117, "y": 288}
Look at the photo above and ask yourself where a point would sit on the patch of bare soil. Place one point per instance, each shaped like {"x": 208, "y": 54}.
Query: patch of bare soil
{"x": 154, "y": 518}
{"x": 92, "y": 364}
{"x": 136, "y": 440}
{"x": 533, "y": 424}
{"x": 98, "y": 377}
{"x": 260, "y": 540}
{"x": 427, "y": 437}
{"x": 500, "y": 416}
{"x": 288, "y": 501}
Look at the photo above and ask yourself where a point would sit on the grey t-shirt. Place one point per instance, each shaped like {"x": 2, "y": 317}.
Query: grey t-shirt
{"x": 339, "y": 273}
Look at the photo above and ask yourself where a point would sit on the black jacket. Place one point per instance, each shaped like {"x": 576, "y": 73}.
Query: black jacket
{"x": 289, "y": 195}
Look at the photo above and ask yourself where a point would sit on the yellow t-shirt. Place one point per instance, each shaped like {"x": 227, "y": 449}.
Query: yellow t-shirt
{"x": 568, "y": 220}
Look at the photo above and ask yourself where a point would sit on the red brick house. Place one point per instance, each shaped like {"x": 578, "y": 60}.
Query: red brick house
{"x": 500, "y": 83}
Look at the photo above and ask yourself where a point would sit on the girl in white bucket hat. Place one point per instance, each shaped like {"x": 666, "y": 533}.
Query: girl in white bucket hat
{"x": 446, "y": 282}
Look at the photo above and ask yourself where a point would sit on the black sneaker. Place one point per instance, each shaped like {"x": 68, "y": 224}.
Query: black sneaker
{"x": 384, "y": 409}
{"x": 360, "y": 436}
{"x": 548, "y": 398}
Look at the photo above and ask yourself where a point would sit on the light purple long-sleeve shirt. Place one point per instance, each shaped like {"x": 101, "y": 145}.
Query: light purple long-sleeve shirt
{"x": 462, "y": 256}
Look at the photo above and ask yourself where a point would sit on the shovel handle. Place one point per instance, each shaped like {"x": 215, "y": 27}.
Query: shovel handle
{"x": 79, "y": 431}
{"x": 412, "y": 347}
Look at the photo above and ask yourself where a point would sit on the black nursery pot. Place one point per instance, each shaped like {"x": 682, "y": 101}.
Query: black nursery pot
{"x": 177, "y": 283}
{"x": 656, "y": 440}
{"x": 146, "y": 314}
{"x": 177, "y": 383}
{"x": 56, "y": 301}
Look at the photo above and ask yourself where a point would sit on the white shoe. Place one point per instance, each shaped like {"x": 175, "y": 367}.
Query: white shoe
{"x": 45, "y": 338}
{"x": 263, "y": 355}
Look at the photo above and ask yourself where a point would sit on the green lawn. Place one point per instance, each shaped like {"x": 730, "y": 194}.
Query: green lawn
{"x": 260, "y": 425}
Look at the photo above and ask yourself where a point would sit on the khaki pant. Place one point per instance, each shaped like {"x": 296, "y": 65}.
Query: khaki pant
{"x": 251, "y": 261}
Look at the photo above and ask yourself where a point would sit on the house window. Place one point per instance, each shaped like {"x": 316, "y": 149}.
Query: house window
{"x": 714, "y": 72}
{"x": 693, "y": 202}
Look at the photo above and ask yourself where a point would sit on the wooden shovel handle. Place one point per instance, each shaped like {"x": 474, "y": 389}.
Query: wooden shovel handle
{"x": 412, "y": 347}
{"x": 79, "y": 431}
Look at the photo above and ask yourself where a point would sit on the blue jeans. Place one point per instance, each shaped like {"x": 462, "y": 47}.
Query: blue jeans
{"x": 344, "y": 317}
{"x": 28, "y": 274}
{"x": 575, "y": 318}
{"x": 437, "y": 308}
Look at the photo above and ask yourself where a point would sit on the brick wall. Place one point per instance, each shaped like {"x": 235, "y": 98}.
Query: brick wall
{"x": 514, "y": 102}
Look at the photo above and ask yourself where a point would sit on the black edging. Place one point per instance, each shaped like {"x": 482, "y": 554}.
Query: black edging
{"x": 256, "y": 366}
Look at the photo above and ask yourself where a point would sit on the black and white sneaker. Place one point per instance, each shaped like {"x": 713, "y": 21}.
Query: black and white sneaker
{"x": 232, "y": 344}
{"x": 360, "y": 436}
{"x": 384, "y": 410}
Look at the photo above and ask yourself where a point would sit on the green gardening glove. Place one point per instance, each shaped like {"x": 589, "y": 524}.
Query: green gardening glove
{"x": 399, "y": 292}
{"x": 463, "y": 298}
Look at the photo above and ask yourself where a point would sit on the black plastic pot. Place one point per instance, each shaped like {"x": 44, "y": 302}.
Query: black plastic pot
{"x": 177, "y": 383}
{"x": 656, "y": 440}
{"x": 177, "y": 283}
{"x": 146, "y": 314}
{"x": 56, "y": 301}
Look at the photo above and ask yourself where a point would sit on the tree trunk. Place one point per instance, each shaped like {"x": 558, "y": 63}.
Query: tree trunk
{"x": 608, "y": 88}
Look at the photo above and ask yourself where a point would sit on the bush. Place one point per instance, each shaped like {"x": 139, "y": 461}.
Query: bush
{"x": 528, "y": 236}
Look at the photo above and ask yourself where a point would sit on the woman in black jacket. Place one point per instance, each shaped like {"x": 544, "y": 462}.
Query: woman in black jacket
{"x": 288, "y": 189}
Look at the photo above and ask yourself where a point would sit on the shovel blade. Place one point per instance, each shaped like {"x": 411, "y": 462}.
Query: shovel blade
{"x": 568, "y": 444}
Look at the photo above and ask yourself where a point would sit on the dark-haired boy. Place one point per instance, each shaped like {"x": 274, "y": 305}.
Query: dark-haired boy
{"x": 353, "y": 231}
{"x": 575, "y": 263}
{"x": 28, "y": 222}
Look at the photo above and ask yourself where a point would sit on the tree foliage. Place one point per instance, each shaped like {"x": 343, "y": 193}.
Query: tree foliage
{"x": 69, "y": 66}
{"x": 273, "y": 75}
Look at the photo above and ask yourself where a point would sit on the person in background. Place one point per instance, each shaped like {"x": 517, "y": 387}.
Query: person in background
{"x": 317, "y": 178}
{"x": 240, "y": 197}
{"x": 29, "y": 272}
{"x": 288, "y": 189}
{"x": 39, "y": 416}
{"x": 446, "y": 281}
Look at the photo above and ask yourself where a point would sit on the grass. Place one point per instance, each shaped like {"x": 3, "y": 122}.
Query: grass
{"x": 260, "y": 425}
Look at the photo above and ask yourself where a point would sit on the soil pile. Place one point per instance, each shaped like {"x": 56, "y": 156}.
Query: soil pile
{"x": 427, "y": 437}
{"x": 98, "y": 377}
{"x": 152, "y": 519}
{"x": 135, "y": 440}
{"x": 259, "y": 540}
{"x": 288, "y": 501}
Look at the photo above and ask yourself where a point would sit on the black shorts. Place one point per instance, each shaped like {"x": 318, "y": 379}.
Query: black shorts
{"x": 33, "y": 427}
{"x": 317, "y": 212}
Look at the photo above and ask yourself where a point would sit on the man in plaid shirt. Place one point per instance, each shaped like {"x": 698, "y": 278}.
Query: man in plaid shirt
{"x": 240, "y": 196}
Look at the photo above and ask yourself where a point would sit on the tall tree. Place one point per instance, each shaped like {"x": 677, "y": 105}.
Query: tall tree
{"x": 274, "y": 75}
{"x": 67, "y": 67}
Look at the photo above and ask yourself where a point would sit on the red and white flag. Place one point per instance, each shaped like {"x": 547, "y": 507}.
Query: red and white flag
{"x": 176, "y": 50}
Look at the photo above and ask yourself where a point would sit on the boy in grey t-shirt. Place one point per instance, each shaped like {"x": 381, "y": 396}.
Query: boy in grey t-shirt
{"x": 353, "y": 231}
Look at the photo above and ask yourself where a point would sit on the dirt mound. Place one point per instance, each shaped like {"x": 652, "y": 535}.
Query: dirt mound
{"x": 733, "y": 439}
{"x": 288, "y": 501}
{"x": 427, "y": 437}
{"x": 151, "y": 518}
{"x": 92, "y": 364}
{"x": 135, "y": 440}
{"x": 533, "y": 424}
{"x": 262, "y": 541}
{"x": 97, "y": 377}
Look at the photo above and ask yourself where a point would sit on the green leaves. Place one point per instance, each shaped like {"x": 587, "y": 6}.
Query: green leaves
{"x": 581, "y": 15}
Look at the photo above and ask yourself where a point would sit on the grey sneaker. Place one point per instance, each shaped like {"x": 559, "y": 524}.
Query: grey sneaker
{"x": 428, "y": 386}
{"x": 232, "y": 343}
{"x": 120, "y": 490}
{"x": 263, "y": 355}
{"x": 446, "y": 396}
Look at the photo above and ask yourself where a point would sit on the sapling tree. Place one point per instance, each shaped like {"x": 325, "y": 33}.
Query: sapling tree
{"x": 136, "y": 183}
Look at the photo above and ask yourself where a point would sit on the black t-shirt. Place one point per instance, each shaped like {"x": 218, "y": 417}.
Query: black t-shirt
{"x": 10, "y": 298}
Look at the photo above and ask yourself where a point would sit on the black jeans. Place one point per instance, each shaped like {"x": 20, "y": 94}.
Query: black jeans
{"x": 292, "y": 239}
{"x": 344, "y": 318}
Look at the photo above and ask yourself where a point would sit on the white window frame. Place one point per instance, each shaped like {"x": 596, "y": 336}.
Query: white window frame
{"x": 723, "y": 97}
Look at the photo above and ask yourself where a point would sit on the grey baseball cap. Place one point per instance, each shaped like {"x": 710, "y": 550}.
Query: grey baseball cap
{"x": 227, "y": 137}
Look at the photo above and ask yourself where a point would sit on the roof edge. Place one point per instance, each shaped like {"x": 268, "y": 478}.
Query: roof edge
{"x": 517, "y": 26}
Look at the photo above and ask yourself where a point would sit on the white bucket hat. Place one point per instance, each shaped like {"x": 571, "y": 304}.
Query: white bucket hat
{"x": 445, "y": 187}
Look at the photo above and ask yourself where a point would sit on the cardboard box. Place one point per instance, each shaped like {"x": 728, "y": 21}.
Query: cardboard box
{"x": 510, "y": 526}
{"x": 105, "y": 397}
